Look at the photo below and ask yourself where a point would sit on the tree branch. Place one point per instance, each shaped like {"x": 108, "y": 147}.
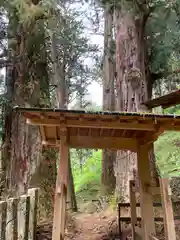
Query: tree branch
{"x": 156, "y": 76}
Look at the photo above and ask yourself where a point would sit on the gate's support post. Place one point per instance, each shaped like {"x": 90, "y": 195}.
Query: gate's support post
{"x": 61, "y": 190}
{"x": 146, "y": 200}
{"x": 133, "y": 208}
{"x": 169, "y": 225}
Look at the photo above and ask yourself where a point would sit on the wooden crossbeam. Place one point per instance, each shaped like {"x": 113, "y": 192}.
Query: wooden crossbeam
{"x": 117, "y": 124}
{"x": 113, "y": 143}
{"x": 156, "y": 219}
{"x": 154, "y": 204}
{"x": 165, "y": 101}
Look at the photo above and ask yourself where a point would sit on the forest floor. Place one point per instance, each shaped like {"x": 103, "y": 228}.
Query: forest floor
{"x": 91, "y": 224}
{"x": 85, "y": 226}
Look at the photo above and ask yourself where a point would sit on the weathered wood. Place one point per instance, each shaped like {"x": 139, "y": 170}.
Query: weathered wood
{"x": 23, "y": 217}
{"x": 61, "y": 193}
{"x": 133, "y": 208}
{"x": 169, "y": 225}
{"x": 33, "y": 194}
{"x": 11, "y": 222}
{"x": 146, "y": 201}
{"x": 3, "y": 216}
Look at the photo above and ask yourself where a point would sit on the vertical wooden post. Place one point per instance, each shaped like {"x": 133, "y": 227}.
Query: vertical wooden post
{"x": 133, "y": 208}
{"x": 23, "y": 217}
{"x": 169, "y": 225}
{"x": 11, "y": 222}
{"x": 3, "y": 215}
{"x": 33, "y": 194}
{"x": 146, "y": 200}
{"x": 61, "y": 190}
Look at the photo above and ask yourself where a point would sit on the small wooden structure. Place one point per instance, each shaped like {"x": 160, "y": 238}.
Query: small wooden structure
{"x": 135, "y": 217}
{"x": 165, "y": 101}
{"x": 66, "y": 129}
{"x": 18, "y": 217}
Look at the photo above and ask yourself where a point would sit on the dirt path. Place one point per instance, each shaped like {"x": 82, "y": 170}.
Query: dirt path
{"x": 84, "y": 227}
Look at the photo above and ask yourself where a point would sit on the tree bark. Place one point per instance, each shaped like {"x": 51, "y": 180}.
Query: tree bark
{"x": 71, "y": 191}
{"x": 108, "y": 180}
{"x": 61, "y": 100}
{"x": 24, "y": 80}
{"x": 131, "y": 86}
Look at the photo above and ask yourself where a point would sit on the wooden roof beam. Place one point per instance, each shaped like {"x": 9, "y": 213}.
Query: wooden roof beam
{"x": 166, "y": 101}
{"x": 113, "y": 143}
{"x": 117, "y": 124}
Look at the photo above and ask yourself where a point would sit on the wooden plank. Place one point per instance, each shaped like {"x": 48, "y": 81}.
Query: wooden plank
{"x": 93, "y": 124}
{"x": 11, "y": 221}
{"x": 146, "y": 201}
{"x": 60, "y": 193}
{"x": 23, "y": 217}
{"x": 156, "y": 219}
{"x": 169, "y": 225}
{"x": 156, "y": 204}
{"x": 3, "y": 217}
{"x": 33, "y": 194}
{"x": 97, "y": 142}
{"x": 133, "y": 208}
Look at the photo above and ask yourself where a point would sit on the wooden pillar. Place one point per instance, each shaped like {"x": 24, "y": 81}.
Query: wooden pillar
{"x": 169, "y": 226}
{"x": 33, "y": 193}
{"x": 61, "y": 190}
{"x": 146, "y": 200}
{"x": 133, "y": 208}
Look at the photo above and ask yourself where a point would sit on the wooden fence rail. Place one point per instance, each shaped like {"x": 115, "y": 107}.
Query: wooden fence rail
{"x": 18, "y": 217}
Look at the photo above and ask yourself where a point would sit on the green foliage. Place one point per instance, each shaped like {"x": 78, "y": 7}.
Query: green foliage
{"x": 27, "y": 11}
{"x": 72, "y": 49}
{"x": 90, "y": 178}
{"x": 168, "y": 154}
{"x": 162, "y": 34}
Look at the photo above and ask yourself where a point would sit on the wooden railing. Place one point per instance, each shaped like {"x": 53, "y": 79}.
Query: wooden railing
{"x": 18, "y": 217}
{"x": 166, "y": 203}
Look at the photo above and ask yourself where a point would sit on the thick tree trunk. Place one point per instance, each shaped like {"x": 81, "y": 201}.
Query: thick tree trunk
{"x": 71, "y": 191}
{"x": 23, "y": 89}
{"x": 131, "y": 85}
{"x": 108, "y": 180}
{"x": 61, "y": 102}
